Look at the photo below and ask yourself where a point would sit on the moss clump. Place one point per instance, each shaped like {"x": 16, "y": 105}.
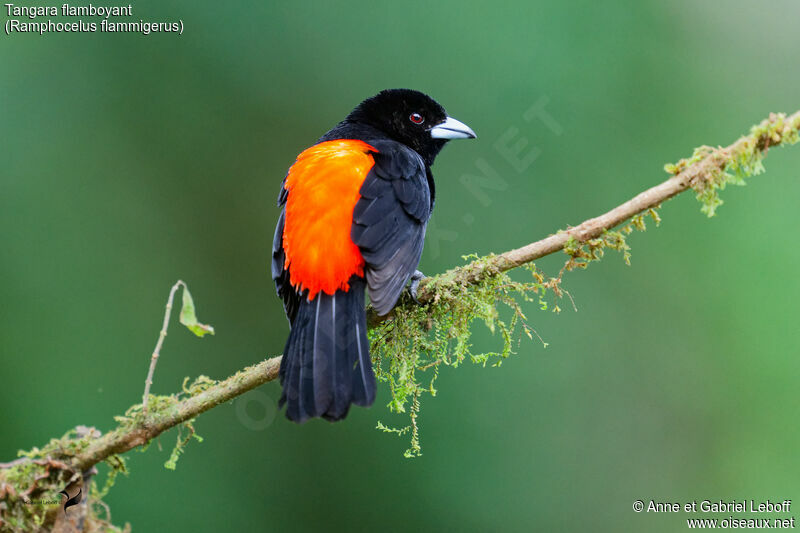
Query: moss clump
{"x": 409, "y": 349}
{"x": 581, "y": 253}
{"x": 41, "y": 473}
{"x": 731, "y": 166}
{"x": 29, "y": 489}
{"x": 421, "y": 339}
{"x": 163, "y": 404}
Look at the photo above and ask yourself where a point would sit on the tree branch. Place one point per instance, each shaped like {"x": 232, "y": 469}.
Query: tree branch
{"x": 773, "y": 131}
{"x": 159, "y": 343}
{"x": 126, "y": 438}
{"x": 696, "y": 173}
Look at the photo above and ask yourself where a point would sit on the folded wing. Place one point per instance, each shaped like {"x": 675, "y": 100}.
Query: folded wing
{"x": 389, "y": 221}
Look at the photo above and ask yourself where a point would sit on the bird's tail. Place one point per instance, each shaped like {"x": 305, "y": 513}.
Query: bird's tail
{"x": 326, "y": 364}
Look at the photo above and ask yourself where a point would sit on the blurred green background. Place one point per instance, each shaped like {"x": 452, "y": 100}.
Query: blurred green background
{"x": 132, "y": 161}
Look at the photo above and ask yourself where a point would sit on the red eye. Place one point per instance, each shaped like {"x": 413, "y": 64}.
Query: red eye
{"x": 416, "y": 118}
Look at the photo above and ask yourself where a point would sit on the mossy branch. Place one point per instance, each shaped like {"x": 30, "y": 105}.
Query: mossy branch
{"x": 471, "y": 289}
{"x": 705, "y": 172}
{"x": 157, "y": 421}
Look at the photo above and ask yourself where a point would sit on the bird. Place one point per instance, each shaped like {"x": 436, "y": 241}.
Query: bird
{"x": 353, "y": 212}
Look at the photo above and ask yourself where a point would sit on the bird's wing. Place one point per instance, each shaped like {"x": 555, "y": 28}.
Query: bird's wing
{"x": 291, "y": 299}
{"x": 389, "y": 221}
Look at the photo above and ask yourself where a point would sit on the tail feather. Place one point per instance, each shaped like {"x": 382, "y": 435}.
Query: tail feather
{"x": 363, "y": 388}
{"x": 324, "y": 353}
{"x": 326, "y": 365}
{"x": 340, "y": 374}
{"x": 291, "y": 367}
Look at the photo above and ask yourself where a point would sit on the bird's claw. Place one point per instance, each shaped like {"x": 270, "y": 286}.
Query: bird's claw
{"x": 416, "y": 277}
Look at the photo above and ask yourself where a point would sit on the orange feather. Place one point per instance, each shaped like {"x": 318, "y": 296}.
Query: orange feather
{"x": 323, "y": 187}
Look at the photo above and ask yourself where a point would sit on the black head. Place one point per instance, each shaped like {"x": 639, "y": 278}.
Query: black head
{"x": 412, "y": 118}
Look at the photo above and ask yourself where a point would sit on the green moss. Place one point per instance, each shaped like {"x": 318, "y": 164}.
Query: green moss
{"x": 117, "y": 464}
{"x": 582, "y": 253}
{"x": 181, "y": 443}
{"x": 39, "y": 476}
{"x": 160, "y": 405}
{"x": 733, "y": 166}
{"x": 46, "y": 470}
{"x": 410, "y": 349}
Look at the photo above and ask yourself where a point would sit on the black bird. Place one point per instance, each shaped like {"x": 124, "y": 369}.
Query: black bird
{"x": 354, "y": 211}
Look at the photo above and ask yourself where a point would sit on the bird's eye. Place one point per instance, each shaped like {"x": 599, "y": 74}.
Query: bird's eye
{"x": 416, "y": 118}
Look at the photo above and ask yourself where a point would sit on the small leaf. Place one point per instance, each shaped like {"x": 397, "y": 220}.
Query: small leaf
{"x": 189, "y": 318}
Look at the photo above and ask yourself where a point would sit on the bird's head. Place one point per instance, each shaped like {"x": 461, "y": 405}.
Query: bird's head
{"x": 412, "y": 118}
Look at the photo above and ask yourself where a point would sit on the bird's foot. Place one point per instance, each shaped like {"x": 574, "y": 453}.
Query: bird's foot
{"x": 416, "y": 277}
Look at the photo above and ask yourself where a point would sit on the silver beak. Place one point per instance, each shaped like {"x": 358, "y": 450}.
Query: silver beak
{"x": 452, "y": 129}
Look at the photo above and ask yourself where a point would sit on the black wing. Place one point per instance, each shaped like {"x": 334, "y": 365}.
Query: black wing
{"x": 389, "y": 221}
{"x": 291, "y": 300}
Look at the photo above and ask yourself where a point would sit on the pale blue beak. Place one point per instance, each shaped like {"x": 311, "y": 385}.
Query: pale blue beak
{"x": 452, "y": 129}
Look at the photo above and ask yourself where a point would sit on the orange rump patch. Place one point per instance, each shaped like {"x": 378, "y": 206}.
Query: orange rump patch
{"x": 323, "y": 187}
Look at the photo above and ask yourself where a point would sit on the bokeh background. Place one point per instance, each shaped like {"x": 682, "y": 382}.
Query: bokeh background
{"x": 131, "y": 161}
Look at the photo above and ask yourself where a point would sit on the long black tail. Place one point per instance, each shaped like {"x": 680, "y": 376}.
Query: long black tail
{"x": 326, "y": 364}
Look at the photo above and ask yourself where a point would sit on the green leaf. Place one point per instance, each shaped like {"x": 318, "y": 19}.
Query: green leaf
{"x": 189, "y": 318}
